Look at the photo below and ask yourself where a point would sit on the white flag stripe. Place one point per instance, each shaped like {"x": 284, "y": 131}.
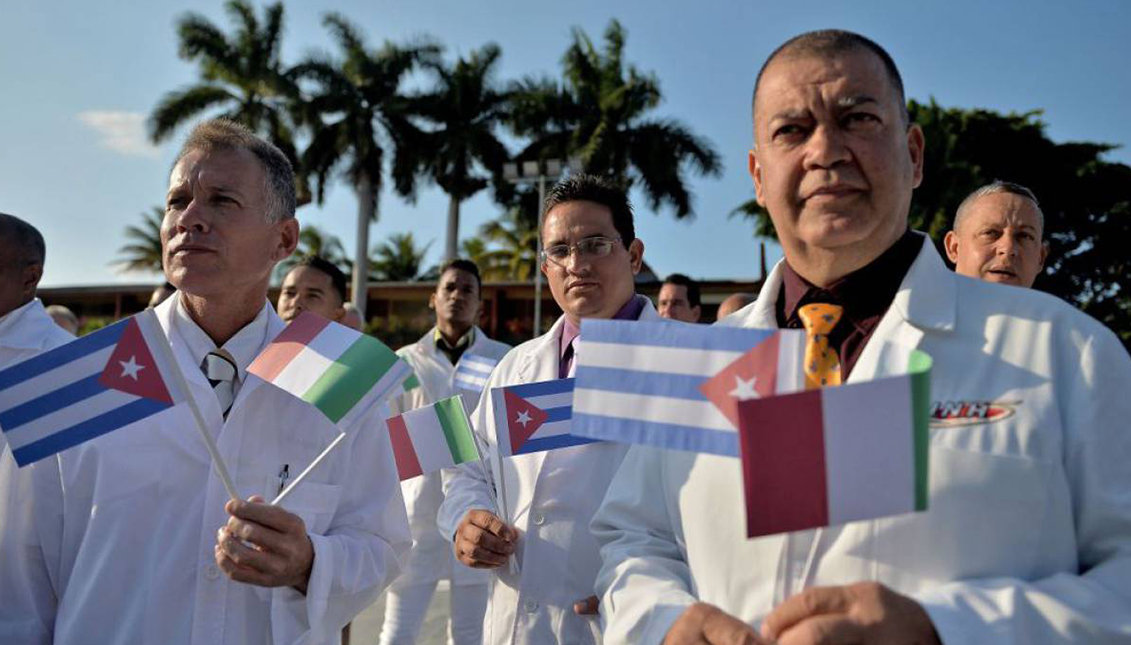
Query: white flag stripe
{"x": 428, "y": 440}
{"x": 64, "y": 418}
{"x": 791, "y": 354}
{"x": 478, "y": 368}
{"x": 333, "y": 341}
{"x": 657, "y": 409}
{"x": 471, "y": 380}
{"x": 59, "y": 377}
{"x": 869, "y": 451}
{"x": 551, "y": 429}
{"x": 649, "y": 358}
{"x": 303, "y": 370}
{"x": 547, "y": 401}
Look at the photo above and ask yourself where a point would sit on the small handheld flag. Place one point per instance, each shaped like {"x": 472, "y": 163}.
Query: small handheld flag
{"x": 472, "y": 372}
{"x": 534, "y": 417}
{"x": 655, "y": 382}
{"x": 330, "y": 366}
{"x": 93, "y": 385}
{"x": 839, "y": 454}
{"x": 433, "y": 437}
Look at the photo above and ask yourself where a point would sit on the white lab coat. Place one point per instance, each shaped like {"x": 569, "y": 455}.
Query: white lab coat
{"x": 551, "y": 497}
{"x": 122, "y": 550}
{"x": 1028, "y": 534}
{"x": 432, "y": 557}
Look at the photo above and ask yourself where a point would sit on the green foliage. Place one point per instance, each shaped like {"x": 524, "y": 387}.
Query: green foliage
{"x": 314, "y": 241}
{"x": 142, "y": 251}
{"x": 398, "y": 259}
{"x": 599, "y": 113}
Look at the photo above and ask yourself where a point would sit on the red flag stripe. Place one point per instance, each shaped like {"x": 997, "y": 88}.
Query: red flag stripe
{"x": 287, "y": 345}
{"x": 408, "y": 466}
{"x": 783, "y": 463}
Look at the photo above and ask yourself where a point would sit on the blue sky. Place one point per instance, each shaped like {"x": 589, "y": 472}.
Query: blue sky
{"x": 79, "y": 79}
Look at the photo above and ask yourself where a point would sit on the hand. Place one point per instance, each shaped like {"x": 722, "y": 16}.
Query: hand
{"x": 483, "y": 541}
{"x": 587, "y": 606}
{"x": 865, "y": 612}
{"x": 704, "y": 624}
{"x": 264, "y": 545}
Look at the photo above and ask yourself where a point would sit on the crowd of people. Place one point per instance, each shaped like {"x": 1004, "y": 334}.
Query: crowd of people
{"x": 130, "y": 538}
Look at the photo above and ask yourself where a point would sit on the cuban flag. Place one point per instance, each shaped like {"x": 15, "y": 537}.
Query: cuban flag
{"x": 677, "y": 385}
{"x": 534, "y": 417}
{"x": 93, "y": 385}
{"x": 472, "y": 372}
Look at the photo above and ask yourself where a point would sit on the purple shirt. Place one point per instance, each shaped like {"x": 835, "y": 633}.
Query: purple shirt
{"x": 630, "y": 311}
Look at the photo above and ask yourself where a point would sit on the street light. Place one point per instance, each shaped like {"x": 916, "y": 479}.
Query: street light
{"x": 534, "y": 171}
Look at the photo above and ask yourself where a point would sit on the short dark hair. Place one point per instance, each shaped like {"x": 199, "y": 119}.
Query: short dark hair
{"x": 596, "y": 189}
{"x": 224, "y": 134}
{"x": 460, "y": 264}
{"x": 337, "y": 278}
{"x": 689, "y": 284}
{"x": 834, "y": 42}
{"x": 24, "y": 239}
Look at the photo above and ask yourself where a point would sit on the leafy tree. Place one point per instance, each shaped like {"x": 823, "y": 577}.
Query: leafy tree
{"x": 1085, "y": 199}
{"x": 142, "y": 250}
{"x": 314, "y": 241}
{"x": 514, "y": 251}
{"x": 599, "y": 113}
{"x": 241, "y": 75}
{"x": 357, "y": 113}
{"x": 398, "y": 259}
{"x": 464, "y": 109}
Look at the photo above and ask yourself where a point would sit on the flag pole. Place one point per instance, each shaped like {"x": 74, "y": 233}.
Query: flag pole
{"x": 209, "y": 442}
{"x": 314, "y": 464}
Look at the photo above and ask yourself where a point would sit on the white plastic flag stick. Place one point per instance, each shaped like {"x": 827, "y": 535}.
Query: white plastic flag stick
{"x": 314, "y": 464}
{"x": 209, "y": 442}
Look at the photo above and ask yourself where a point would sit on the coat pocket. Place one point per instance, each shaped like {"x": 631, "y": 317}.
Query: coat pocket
{"x": 315, "y": 503}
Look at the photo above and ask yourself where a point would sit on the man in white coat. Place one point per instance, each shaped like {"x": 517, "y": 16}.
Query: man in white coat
{"x": 590, "y": 260}
{"x": 134, "y": 539}
{"x": 435, "y": 359}
{"x": 1027, "y": 538}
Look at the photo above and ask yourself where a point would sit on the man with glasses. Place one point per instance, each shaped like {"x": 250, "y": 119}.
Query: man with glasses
{"x": 590, "y": 261}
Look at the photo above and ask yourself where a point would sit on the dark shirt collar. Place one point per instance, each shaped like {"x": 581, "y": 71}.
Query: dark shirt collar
{"x": 630, "y": 311}
{"x": 865, "y": 293}
{"x": 453, "y": 352}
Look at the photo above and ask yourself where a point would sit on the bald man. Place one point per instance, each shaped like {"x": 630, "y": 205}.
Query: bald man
{"x": 997, "y": 235}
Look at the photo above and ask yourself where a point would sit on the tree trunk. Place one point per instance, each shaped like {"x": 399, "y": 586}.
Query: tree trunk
{"x": 451, "y": 243}
{"x": 366, "y": 213}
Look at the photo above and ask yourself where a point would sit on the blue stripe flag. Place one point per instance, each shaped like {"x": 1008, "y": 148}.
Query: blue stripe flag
{"x": 86, "y": 388}
{"x": 472, "y": 372}
{"x": 654, "y": 382}
{"x": 534, "y": 417}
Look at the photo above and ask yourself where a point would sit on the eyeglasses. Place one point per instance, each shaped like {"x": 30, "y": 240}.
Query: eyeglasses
{"x": 589, "y": 248}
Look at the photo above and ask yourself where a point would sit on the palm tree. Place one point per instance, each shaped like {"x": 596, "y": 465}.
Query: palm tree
{"x": 515, "y": 240}
{"x": 241, "y": 74}
{"x": 599, "y": 113}
{"x": 142, "y": 251}
{"x": 398, "y": 259}
{"x": 359, "y": 112}
{"x": 313, "y": 241}
{"x": 465, "y": 107}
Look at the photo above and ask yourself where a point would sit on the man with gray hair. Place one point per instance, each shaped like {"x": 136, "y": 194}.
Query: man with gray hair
{"x": 130, "y": 538}
{"x": 997, "y": 235}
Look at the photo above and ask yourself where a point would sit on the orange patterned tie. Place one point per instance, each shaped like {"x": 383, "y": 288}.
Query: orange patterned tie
{"x": 822, "y": 364}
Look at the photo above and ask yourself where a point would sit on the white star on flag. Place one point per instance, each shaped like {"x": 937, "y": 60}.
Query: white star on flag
{"x": 130, "y": 368}
{"x": 523, "y": 418}
{"x": 743, "y": 389}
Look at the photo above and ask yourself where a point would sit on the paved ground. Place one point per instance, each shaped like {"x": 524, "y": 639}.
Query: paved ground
{"x": 367, "y": 627}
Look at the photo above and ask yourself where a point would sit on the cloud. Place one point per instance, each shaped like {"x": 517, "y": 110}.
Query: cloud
{"x": 122, "y": 132}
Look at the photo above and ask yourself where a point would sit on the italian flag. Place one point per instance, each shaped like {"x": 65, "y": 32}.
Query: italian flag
{"x": 839, "y": 454}
{"x": 329, "y": 365}
{"x": 432, "y": 437}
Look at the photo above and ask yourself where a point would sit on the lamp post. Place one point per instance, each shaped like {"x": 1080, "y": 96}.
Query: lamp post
{"x": 540, "y": 172}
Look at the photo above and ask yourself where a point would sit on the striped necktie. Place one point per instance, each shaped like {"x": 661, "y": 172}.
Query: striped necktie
{"x": 822, "y": 364}
{"x": 220, "y": 369}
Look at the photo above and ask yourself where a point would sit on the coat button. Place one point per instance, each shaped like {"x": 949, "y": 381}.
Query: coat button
{"x": 538, "y": 519}
{"x": 531, "y": 606}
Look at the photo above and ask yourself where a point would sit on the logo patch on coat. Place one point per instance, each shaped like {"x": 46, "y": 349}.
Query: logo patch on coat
{"x": 950, "y": 414}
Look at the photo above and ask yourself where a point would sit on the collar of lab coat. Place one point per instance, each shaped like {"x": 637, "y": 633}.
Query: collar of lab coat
{"x": 540, "y": 363}
{"x": 427, "y": 344}
{"x": 166, "y": 312}
{"x": 927, "y": 300}
{"x": 29, "y": 326}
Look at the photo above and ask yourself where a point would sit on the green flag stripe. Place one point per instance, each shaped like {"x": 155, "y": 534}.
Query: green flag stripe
{"x": 411, "y": 383}
{"x": 350, "y": 377}
{"x": 920, "y": 369}
{"x": 457, "y": 430}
